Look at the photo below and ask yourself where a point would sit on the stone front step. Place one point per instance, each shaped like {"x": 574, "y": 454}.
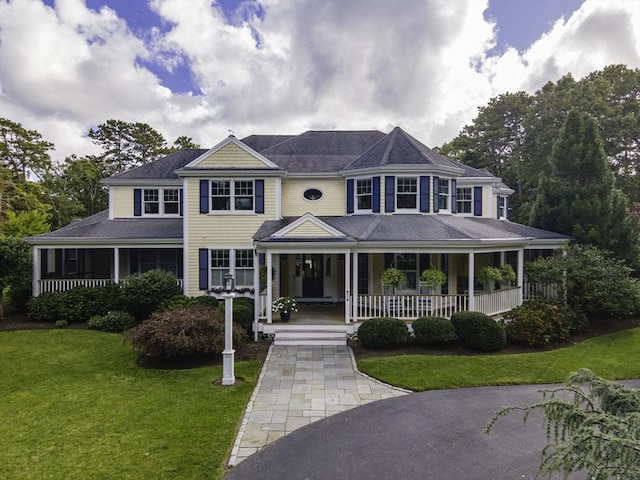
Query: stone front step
{"x": 318, "y": 335}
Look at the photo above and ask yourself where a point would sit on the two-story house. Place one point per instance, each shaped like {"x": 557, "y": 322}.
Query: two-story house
{"x": 317, "y": 216}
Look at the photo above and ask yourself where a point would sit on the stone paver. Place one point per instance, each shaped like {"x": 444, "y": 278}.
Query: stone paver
{"x": 300, "y": 385}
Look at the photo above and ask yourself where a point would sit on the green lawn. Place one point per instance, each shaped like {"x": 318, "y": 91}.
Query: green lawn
{"x": 615, "y": 356}
{"x": 74, "y": 405}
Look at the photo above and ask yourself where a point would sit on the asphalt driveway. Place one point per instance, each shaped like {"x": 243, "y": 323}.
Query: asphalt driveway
{"x": 437, "y": 435}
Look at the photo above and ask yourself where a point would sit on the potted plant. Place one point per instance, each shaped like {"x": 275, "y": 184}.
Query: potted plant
{"x": 285, "y": 305}
{"x": 432, "y": 278}
{"x": 392, "y": 277}
{"x": 488, "y": 276}
{"x": 508, "y": 275}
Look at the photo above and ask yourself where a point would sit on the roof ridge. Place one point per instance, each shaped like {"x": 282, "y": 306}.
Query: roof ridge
{"x": 393, "y": 136}
{"x": 441, "y": 220}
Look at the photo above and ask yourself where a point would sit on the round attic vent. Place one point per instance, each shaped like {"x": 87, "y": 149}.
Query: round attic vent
{"x": 312, "y": 194}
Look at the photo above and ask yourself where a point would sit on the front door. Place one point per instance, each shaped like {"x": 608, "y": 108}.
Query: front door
{"x": 312, "y": 276}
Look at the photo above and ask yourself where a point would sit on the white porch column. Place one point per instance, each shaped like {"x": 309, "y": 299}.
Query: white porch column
{"x": 256, "y": 295}
{"x": 354, "y": 289}
{"x": 269, "y": 286}
{"x": 502, "y": 259}
{"x": 472, "y": 280}
{"x": 35, "y": 281}
{"x": 347, "y": 284}
{"x": 116, "y": 264}
{"x": 520, "y": 275}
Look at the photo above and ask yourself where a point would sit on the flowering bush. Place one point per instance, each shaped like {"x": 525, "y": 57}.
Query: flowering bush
{"x": 285, "y": 304}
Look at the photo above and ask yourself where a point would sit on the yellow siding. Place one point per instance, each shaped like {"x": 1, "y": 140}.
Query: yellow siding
{"x": 377, "y": 267}
{"x": 206, "y": 231}
{"x": 231, "y": 156}
{"x": 122, "y": 202}
{"x": 332, "y": 203}
{"x": 308, "y": 229}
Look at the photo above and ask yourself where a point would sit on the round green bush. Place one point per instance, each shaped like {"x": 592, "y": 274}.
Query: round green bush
{"x": 195, "y": 330}
{"x": 246, "y": 302}
{"x": 243, "y": 316}
{"x": 479, "y": 331}
{"x": 206, "y": 300}
{"x": 114, "y": 321}
{"x": 540, "y": 322}
{"x": 144, "y": 293}
{"x": 383, "y": 332}
{"x": 433, "y": 331}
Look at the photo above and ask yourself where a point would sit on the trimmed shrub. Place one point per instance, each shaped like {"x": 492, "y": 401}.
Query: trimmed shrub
{"x": 195, "y": 330}
{"x": 206, "y": 300}
{"x": 479, "y": 331}
{"x": 182, "y": 301}
{"x": 114, "y": 321}
{"x": 75, "y": 305}
{"x": 61, "y": 324}
{"x": 383, "y": 332}
{"x": 245, "y": 302}
{"x": 243, "y": 316}
{"x": 540, "y": 322}
{"x": 143, "y": 293}
{"x": 433, "y": 331}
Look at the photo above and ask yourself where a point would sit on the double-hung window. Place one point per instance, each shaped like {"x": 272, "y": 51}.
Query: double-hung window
{"x": 364, "y": 194}
{"x": 161, "y": 201}
{"x": 407, "y": 263}
{"x": 502, "y": 207}
{"x": 406, "y": 193}
{"x": 239, "y": 262}
{"x": 464, "y": 199}
{"x": 443, "y": 194}
{"x": 232, "y": 195}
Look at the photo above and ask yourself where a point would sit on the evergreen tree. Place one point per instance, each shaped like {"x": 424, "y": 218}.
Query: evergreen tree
{"x": 577, "y": 196}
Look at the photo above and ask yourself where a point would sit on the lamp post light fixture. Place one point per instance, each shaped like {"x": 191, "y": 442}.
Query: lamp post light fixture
{"x": 228, "y": 376}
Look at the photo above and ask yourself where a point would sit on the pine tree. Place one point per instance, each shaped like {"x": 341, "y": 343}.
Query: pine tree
{"x": 577, "y": 196}
{"x": 592, "y": 425}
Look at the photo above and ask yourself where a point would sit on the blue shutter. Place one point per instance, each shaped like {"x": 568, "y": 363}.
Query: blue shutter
{"x": 424, "y": 193}
{"x": 137, "y": 202}
{"x": 477, "y": 201}
{"x": 203, "y": 269}
{"x": 259, "y": 186}
{"x": 350, "y": 194}
{"x": 181, "y": 200}
{"x": 204, "y": 196}
{"x": 436, "y": 194}
{"x": 389, "y": 193}
{"x": 376, "y": 194}
{"x": 454, "y": 196}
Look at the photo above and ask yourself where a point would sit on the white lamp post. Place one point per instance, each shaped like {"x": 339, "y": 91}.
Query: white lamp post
{"x": 228, "y": 377}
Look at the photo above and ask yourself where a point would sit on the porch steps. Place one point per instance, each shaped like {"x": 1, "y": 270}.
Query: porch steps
{"x": 311, "y": 335}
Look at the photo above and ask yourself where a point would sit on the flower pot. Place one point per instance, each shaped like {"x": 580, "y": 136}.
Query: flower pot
{"x": 285, "y": 316}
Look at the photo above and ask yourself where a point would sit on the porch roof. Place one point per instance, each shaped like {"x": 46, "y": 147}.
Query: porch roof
{"x": 98, "y": 227}
{"x": 419, "y": 229}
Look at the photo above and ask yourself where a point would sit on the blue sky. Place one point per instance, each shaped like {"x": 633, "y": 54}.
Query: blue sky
{"x": 201, "y": 68}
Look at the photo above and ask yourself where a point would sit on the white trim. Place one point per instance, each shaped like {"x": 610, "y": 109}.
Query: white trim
{"x": 308, "y": 217}
{"x": 278, "y": 198}
{"x": 236, "y": 142}
{"x": 305, "y": 199}
{"x": 417, "y": 196}
{"x": 232, "y": 196}
{"x": 185, "y": 240}
{"x": 356, "y": 210}
{"x": 161, "y": 202}
{"x": 110, "y": 194}
{"x": 35, "y": 280}
{"x": 406, "y": 170}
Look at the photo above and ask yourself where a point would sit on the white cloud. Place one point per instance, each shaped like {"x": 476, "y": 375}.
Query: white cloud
{"x": 361, "y": 64}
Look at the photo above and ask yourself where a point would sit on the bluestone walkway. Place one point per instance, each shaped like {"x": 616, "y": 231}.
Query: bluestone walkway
{"x": 299, "y": 385}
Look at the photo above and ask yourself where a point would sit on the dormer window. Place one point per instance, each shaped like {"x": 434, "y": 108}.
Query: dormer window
{"x": 502, "y": 207}
{"x": 406, "y": 193}
{"x": 364, "y": 194}
{"x": 464, "y": 200}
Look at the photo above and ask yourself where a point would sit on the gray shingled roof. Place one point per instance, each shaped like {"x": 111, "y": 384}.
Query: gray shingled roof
{"x": 400, "y": 148}
{"x": 419, "y": 228}
{"x": 262, "y": 142}
{"x": 161, "y": 169}
{"x": 99, "y": 227}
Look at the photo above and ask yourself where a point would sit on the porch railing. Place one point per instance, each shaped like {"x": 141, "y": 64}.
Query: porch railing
{"x": 497, "y": 301}
{"x": 540, "y": 290}
{"x": 61, "y": 285}
{"x": 410, "y": 306}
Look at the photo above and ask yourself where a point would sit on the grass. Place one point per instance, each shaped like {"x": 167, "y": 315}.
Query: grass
{"x": 74, "y": 405}
{"x": 615, "y": 356}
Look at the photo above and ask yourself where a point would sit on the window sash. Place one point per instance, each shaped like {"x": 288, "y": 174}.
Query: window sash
{"x": 364, "y": 194}
{"x": 240, "y": 261}
{"x": 151, "y": 201}
{"x": 407, "y": 193}
{"x": 233, "y": 195}
{"x": 443, "y": 194}
{"x": 407, "y": 263}
{"x": 501, "y": 207}
{"x": 171, "y": 201}
{"x": 464, "y": 200}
